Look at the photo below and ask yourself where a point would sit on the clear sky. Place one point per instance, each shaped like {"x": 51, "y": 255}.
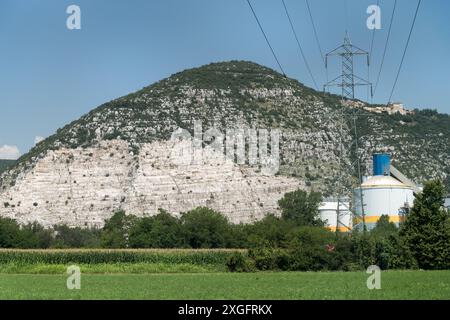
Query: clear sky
{"x": 50, "y": 76}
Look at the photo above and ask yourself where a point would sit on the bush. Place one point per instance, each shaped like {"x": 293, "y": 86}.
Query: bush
{"x": 35, "y": 236}
{"x": 265, "y": 258}
{"x": 77, "y": 237}
{"x": 271, "y": 231}
{"x": 160, "y": 231}
{"x": 238, "y": 262}
{"x": 311, "y": 248}
{"x": 205, "y": 228}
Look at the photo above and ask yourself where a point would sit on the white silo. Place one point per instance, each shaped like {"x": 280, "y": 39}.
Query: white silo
{"x": 328, "y": 212}
{"x": 382, "y": 195}
{"x": 447, "y": 202}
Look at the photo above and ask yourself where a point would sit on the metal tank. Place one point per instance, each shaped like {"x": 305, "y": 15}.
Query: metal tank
{"x": 381, "y": 164}
{"x": 328, "y": 212}
{"x": 447, "y": 202}
{"x": 382, "y": 195}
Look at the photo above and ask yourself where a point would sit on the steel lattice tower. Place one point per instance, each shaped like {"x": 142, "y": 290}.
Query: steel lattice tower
{"x": 347, "y": 81}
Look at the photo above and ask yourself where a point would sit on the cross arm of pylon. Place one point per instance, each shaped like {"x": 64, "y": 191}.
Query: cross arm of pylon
{"x": 363, "y": 81}
{"x": 359, "y": 50}
{"x": 333, "y": 82}
{"x": 335, "y": 52}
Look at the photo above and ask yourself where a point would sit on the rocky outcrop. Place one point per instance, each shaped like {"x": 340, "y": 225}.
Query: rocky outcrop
{"x": 83, "y": 187}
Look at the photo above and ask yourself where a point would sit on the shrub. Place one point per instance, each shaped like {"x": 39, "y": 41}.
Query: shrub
{"x": 76, "y": 237}
{"x": 270, "y": 231}
{"x": 238, "y": 262}
{"x": 160, "y": 231}
{"x": 265, "y": 258}
{"x": 205, "y": 228}
{"x": 310, "y": 248}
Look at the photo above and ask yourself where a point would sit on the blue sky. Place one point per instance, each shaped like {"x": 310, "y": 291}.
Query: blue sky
{"x": 50, "y": 75}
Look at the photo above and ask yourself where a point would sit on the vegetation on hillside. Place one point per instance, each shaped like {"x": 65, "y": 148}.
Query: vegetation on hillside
{"x": 5, "y": 164}
{"x": 240, "y": 92}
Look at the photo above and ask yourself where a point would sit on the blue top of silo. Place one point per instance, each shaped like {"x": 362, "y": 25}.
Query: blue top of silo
{"x": 381, "y": 164}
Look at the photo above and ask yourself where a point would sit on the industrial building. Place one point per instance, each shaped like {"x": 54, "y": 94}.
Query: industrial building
{"x": 387, "y": 192}
{"x": 336, "y": 214}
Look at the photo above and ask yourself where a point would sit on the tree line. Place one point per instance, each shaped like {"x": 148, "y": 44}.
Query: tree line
{"x": 297, "y": 240}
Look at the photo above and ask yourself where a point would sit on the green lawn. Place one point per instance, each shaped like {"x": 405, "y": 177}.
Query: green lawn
{"x": 263, "y": 285}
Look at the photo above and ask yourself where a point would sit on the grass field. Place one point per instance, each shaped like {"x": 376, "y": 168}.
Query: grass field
{"x": 193, "y": 274}
{"x": 263, "y": 285}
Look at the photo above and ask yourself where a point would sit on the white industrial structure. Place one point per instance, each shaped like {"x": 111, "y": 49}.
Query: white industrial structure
{"x": 336, "y": 214}
{"x": 447, "y": 202}
{"x": 382, "y": 194}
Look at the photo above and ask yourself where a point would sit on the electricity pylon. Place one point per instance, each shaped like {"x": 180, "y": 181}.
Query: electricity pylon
{"x": 347, "y": 81}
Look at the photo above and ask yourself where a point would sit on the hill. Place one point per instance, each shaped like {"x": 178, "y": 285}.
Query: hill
{"x": 115, "y": 157}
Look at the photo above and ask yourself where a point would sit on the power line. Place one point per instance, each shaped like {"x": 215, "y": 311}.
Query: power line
{"x": 386, "y": 45}
{"x": 299, "y": 46}
{"x": 267, "y": 40}
{"x": 404, "y": 52}
{"x": 373, "y": 37}
{"x": 370, "y": 54}
{"x": 315, "y": 30}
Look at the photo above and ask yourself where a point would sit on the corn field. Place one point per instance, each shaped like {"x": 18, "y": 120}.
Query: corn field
{"x": 102, "y": 256}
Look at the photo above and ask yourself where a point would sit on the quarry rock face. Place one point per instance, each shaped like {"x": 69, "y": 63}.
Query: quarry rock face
{"x": 83, "y": 187}
{"x": 120, "y": 156}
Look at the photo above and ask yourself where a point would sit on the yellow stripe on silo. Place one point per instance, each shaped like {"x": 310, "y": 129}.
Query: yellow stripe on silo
{"x": 341, "y": 229}
{"x": 374, "y": 219}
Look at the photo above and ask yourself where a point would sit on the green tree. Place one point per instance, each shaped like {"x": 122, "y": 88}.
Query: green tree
{"x": 205, "y": 228}
{"x": 33, "y": 236}
{"x": 116, "y": 231}
{"x": 270, "y": 231}
{"x": 160, "y": 231}
{"x": 426, "y": 230}
{"x": 311, "y": 248}
{"x": 9, "y": 233}
{"x": 77, "y": 237}
{"x": 301, "y": 208}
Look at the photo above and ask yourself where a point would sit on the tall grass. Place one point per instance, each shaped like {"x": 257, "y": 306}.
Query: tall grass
{"x": 100, "y": 256}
